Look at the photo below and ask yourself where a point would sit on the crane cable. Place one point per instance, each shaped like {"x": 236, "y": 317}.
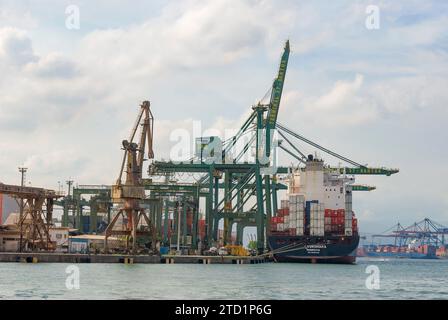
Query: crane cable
{"x": 334, "y": 154}
{"x": 286, "y": 248}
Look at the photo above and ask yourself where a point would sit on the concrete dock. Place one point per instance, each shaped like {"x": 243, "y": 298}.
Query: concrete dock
{"x": 39, "y": 257}
{"x": 42, "y": 257}
{"x": 169, "y": 259}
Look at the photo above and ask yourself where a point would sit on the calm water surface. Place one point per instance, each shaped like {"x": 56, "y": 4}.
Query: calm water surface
{"x": 399, "y": 279}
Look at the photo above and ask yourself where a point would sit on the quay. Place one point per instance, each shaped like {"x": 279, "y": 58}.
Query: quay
{"x": 50, "y": 257}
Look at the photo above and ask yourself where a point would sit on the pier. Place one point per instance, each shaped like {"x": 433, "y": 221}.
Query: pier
{"x": 41, "y": 257}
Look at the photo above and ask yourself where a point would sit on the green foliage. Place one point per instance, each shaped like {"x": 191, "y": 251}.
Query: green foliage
{"x": 252, "y": 245}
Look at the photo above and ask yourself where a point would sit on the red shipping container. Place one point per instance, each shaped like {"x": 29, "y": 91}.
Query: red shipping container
{"x": 283, "y": 212}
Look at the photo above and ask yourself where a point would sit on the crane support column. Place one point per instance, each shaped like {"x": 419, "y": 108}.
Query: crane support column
{"x": 267, "y": 184}
{"x": 260, "y": 211}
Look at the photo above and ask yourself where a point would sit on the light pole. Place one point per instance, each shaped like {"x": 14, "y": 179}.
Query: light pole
{"x": 22, "y": 171}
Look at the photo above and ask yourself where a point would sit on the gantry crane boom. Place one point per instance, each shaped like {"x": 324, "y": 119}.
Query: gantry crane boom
{"x": 276, "y": 95}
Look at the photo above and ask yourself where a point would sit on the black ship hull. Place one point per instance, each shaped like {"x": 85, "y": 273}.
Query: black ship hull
{"x": 314, "y": 249}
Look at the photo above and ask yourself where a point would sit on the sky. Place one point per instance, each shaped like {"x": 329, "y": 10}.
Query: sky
{"x": 68, "y": 96}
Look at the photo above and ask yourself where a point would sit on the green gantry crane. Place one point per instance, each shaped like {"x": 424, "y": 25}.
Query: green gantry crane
{"x": 239, "y": 189}
{"x": 245, "y": 192}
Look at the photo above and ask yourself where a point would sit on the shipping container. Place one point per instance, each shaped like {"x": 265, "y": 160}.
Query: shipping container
{"x": 284, "y": 204}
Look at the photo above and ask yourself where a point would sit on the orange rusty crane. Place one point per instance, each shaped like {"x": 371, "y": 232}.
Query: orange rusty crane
{"x": 130, "y": 194}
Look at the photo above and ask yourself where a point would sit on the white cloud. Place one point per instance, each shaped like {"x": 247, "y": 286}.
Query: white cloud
{"x": 18, "y": 19}
{"x": 187, "y": 35}
{"x": 56, "y": 161}
{"x": 341, "y": 92}
{"x": 54, "y": 65}
{"x": 15, "y": 47}
{"x": 420, "y": 34}
{"x": 343, "y": 104}
{"x": 400, "y": 95}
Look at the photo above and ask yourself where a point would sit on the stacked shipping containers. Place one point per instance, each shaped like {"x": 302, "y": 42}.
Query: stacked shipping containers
{"x": 334, "y": 221}
{"x": 294, "y": 220}
{"x": 278, "y": 223}
{"x": 348, "y": 213}
{"x": 348, "y": 223}
{"x": 297, "y": 214}
{"x": 310, "y": 190}
{"x": 317, "y": 218}
{"x": 354, "y": 224}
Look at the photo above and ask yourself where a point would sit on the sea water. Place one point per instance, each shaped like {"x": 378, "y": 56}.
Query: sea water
{"x": 367, "y": 279}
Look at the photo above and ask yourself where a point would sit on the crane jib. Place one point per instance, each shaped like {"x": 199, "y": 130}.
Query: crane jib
{"x": 276, "y": 94}
{"x": 277, "y": 89}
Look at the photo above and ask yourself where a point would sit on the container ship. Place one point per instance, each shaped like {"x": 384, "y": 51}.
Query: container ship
{"x": 316, "y": 223}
